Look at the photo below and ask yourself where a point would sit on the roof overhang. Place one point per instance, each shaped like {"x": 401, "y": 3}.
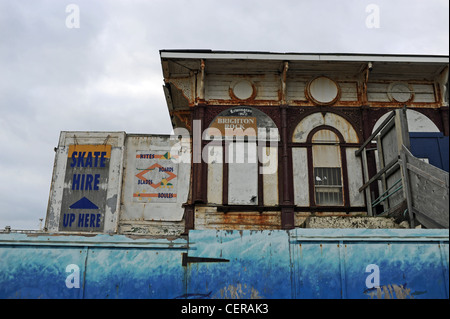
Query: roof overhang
{"x": 179, "y": 63}
{"x": 239, "y": 55}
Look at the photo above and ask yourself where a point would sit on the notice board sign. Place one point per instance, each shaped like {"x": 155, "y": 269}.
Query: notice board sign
{"x": 242, "y": 122}
{"x": 155, "y": 177}
{"x": 85, "y": 188}
{"x": 237, "y": 125}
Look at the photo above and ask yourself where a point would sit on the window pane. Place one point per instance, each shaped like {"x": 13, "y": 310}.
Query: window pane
{"x": 328, "y": 185}
{"x": 327, "y": 176}
{"x": 242, "y": 174}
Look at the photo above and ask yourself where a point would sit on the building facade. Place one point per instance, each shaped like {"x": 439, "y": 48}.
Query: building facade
{"x": 267, "y": 149}
{"x": 322, "y": 107}
{"x": 262, "y": 141}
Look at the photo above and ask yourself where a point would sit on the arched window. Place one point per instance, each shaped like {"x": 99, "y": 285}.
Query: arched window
{"x": 326, "y": 173}
{"x": 241, "y": 144}
{"x": 327, "y": 169}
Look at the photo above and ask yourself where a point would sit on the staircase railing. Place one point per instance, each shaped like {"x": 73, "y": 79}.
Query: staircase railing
{"x": 425, "y": 188}
{"x": 426, "y": 191}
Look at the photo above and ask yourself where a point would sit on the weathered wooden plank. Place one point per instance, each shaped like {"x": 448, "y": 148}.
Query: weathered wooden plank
{"x": 377, "y": 92}
{"x": 431, "y": 170}
{"x": 429, "y": 191}
{"x": 389, "y": 145}
{"x": 377, "y": 176}
{"x": 430, "y": 199}
{"x": 423, "y": 93}
{"x": 366, "y": 177}
{"x": 349, "y": 91}
{"x": 424, "y": 98}
{"x": 407, "y": 186}
{"x": 399, "y": 196}
{"x": 426, "y": 175}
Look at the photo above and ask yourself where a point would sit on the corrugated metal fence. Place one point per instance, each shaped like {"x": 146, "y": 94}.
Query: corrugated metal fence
{"x": 300, "y": 263}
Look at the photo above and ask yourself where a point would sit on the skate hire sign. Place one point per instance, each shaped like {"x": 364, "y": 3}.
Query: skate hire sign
{"x": 85, "y": 187}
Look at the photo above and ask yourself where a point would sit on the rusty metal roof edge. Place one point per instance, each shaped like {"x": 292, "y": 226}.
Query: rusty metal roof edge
{"x": 352, "y": 57}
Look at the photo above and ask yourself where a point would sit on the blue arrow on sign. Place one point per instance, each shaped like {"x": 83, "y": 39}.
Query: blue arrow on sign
{"x": 83, "y": 203}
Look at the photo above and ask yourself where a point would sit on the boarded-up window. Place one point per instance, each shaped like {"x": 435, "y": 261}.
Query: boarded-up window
{"x": 327, "y": 169}
{"x": 242, "y": 174}
{"x": 243, "y": 163}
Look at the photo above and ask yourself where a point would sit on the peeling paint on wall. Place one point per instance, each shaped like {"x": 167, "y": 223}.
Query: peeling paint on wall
{"x": 297, "y": 264}
{"x": 238, "y": 291}
{"x": 392, "y": 291}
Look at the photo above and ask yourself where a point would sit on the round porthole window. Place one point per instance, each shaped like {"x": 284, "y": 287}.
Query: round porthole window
{"x": 323, "y": 90}
{"x": 400, "y": 92}
{"x": 242, "y": 90}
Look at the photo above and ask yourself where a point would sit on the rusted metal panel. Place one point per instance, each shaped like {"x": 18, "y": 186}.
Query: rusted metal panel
{"x": 301, "y": 263}
{"x": 346, "y": 260}
{"x": 251, "y": 254}
{"x": 152, "y": 228}
{"x": 102, "y": 266}
{"x": 210, "y": 218}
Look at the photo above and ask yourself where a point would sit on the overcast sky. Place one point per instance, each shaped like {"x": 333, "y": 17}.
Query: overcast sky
{"x": 105, "y": 73}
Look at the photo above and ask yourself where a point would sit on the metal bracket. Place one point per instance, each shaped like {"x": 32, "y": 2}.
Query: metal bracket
{"x": 187, "y": 259}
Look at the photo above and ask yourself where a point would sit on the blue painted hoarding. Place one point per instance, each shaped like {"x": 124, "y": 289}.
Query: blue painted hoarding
{"x": 433, "y": 146}
{"x": 299, "y": 264}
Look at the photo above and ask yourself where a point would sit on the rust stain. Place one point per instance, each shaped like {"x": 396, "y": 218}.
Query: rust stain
{"x": 358, "y": 103}
{"x": 400, "y": 105}
{"x": 238, "y": 291}
{"x": 258, "y": 102}
{"x": 392, "y": 291}
{"x": 184, "y": 116}
{"x": 248, "y": 219}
